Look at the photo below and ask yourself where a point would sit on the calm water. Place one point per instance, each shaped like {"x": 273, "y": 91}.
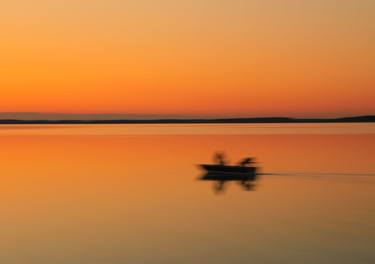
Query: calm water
{"x": 101, "y": 194}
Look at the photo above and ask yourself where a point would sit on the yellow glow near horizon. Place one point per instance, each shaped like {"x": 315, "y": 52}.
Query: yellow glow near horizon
{"x": 297, "y": 58}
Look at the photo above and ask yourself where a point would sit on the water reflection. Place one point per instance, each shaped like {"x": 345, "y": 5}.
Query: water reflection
{"x": 107, "y": 194}
{"x": 221, "y": 179}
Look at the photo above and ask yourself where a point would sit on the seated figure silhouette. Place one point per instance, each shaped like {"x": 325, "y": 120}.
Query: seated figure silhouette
{"x": 219, "y": 158}
{"x": 246, "y": 162}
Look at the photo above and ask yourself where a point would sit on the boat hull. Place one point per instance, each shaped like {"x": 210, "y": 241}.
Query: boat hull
{"x": 228, "y": 173}
{"x": 228, "y": 169}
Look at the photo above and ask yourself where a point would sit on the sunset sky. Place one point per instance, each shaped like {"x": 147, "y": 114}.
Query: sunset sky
{"x": 200, "y": 57}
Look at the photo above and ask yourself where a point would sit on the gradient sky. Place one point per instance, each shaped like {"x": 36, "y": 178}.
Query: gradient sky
{"x": 224, "y": 57}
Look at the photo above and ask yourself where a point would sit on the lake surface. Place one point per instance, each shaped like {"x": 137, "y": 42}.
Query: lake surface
{"x": 103, "y": 194}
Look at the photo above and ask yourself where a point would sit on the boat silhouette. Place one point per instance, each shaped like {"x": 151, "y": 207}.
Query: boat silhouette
{"x": 244, "y": 173}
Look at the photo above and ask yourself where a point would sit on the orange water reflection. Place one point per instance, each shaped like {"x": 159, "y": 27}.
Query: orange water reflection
{"x": 136, "y": 198}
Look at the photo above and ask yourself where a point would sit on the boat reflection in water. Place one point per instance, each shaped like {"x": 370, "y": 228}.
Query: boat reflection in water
{"x": 245, "y": 173}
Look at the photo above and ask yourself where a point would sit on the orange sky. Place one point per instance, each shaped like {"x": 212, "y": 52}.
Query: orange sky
{"x": 224, "y": 57}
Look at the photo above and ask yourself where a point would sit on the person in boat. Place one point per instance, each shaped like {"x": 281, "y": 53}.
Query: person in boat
{"x": 246, "y": 162}
{"x": 220, "y": 159}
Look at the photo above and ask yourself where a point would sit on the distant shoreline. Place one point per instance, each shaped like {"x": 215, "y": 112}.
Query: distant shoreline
{"x": 271, "y": 120}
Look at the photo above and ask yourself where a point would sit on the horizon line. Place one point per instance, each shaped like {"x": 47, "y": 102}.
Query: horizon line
{"x": 351, "y": 119}
{"x": 160, "y": 116}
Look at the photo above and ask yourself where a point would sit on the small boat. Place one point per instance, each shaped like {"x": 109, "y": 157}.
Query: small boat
{"x": 244, "y": 173}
